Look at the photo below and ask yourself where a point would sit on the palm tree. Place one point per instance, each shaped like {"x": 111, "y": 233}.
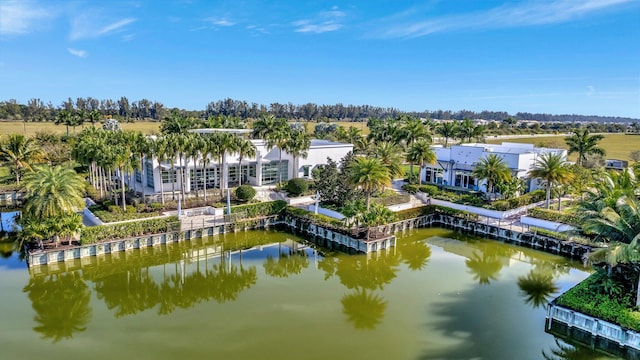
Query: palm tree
{"x": 298, "y": 146}
{"x": 245, "y": 149}
{"x": 448, "y": 130}
{"x": 53, "y": 191}
{"x": 390, "y": 154}
{"x": 493, "y": 169}
{"x": 142, "y": 147}
{"x": 94, "y": 116}
{"x": 466, "y": 130}
{"x": 420, "y": 153}
{"x": 369, "y": 174}
{"x": 552, "y": 169}
{"x": 176, "y": 124}
{"x": 415, "y": 130}
{"x": 20, "y": 151}
{"x": 582, "y": 143}
{"x": 275, "y": 132}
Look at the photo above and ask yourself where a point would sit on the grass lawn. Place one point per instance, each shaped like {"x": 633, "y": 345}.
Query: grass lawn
{"x": 617, "y": 146}
{"x": 18, "y": 127}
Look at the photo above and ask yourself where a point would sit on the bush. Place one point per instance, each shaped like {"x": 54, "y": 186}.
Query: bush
{"x": 156, "y": 206}
{"x": 391, "y": 200}
{"x": 554, "y": 215}
{"x": 260, "y": 209}
{"x": 618, "y": 309}
{"x": 94, "y": 234}
{"x": 245, "y": 192}
{"x": 297, "y": 187}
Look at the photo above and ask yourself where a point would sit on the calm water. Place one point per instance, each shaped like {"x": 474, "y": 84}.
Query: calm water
{"x": 438, "y": 295}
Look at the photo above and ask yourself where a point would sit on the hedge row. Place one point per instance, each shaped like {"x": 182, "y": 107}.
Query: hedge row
{"x": 554, "y": 215}
{"x": 430, "y": 209}
{"x": 125, "y": 230}
{"x": 391, "y": 200}
{"x": 320, "y": 219}
{"x": 113, "y": 216}
{"x": 260, "y": 209}
{"x": 618, "y": 311}
{"x": 522, "y": 200}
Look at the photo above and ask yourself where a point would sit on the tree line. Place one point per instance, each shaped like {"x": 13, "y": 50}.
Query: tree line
{"x": 124, "y": 109}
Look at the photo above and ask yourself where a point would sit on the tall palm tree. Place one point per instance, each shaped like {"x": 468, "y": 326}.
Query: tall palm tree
{"x": 369, "y": 174}
{"x": 492, "y": 169}
{"x": 142, "y": 147}
{"x": 176, "y": 124}
{"x": 466, "y": 130}
{"x": 245, "y": 149}
{"x": 298, "y": 146}
{"x": 20, "y": 152}
{"x": 223, "y": 143}
{"x": 415, "y": 130}
{"x": 582, "y": 143}
{"x": 52, "y": 191}
{"x": 275, "y": 132}
{"x": 390, "y": 154}
{"x": 552, "y": 169}
{"x": 448, "y": 130}
{"x": 420, "y": 153}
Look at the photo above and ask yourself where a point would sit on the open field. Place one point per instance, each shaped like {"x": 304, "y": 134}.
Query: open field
{"x": 30, "y": 128}
{"x": 617, "y": 146}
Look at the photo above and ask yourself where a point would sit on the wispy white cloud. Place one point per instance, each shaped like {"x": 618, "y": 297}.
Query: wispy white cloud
{"x": 84, "y": 26}
{"x": 78, "y": 53}
{"x": 220, "y": 21}
{"x": 405, "y": 25}
{"x": 325, "y": 21}
{"x": 20, "y": 17}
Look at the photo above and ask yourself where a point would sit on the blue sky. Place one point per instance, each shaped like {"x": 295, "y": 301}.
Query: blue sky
{"x": 548, "y": 56}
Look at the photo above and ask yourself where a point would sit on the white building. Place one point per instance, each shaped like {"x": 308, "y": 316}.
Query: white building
{"x": 455, "y": 164}
{"x": 263, "y": 169}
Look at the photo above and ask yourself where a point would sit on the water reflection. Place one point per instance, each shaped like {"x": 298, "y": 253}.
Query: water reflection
{"x": 61, "y": 304}
{"x": 565, "y": 351}
{"x": 288, "y": 263}
{"x": 163, "y": 279}
{"x": 538, "y": 286}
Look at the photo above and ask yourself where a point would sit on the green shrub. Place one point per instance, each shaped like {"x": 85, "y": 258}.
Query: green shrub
{"x": 156, "y": 206}
{"x": 245, "y": 192}
{"x": 429, "y": 189}
{"x": 391, "y": 200}
{"x": 411, "y": 188}
{"x": 554, "y": 215}
{"x": 130, "y": 209}
{"x": 114, "y": 208}
{"x": 319, "y": 219}
{"x": 94, "y": 234}
{"x": 297, "y": 187}
{"x": 260, "y": 209}
{"x": 618, "y": 309}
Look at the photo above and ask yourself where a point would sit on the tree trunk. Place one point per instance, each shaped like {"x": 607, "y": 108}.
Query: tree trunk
{"x": 204, "y": 180}
{"x": 124, "y": 203}
{"x": 143, "y": 177}
{"x": 240, "y": 171}
{"x": 548, "y": 195}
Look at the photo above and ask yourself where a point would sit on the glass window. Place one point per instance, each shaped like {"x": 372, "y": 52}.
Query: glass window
{"x": 149, "y": 173}
{"x": 169, "y": 176}
{"x": 274, "y": 172}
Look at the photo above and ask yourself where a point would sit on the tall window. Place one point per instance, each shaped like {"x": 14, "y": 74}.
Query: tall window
{"x": 433, "y": 175}
{"x": 197, "y": 178}
{"x": 271, "y": 172}
{"x": 149, "y": 173}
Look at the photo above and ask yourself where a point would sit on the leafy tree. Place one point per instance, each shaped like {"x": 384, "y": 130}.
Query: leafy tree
{"x": 420, "y": 153}
{"x": 53, "y": 191}
{"x": 370, "y": 174}
{"x": 298, "y": 146}
{"x": 552, "y": 169}
{"x": 296, "y": 187}
{"x": 390, "y": 154}
{"x": 176, "y": 124}
{"x": 244, "y": 149}
{"x": 448, "y": 130}
{"x": 492, "y": 169}
{"x": 582, "y": 143}
{"x": 20, "y": 152}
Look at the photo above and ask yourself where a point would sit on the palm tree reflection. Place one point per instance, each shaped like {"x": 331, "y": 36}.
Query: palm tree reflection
{"x": 485, "y": 267}
{"x": 61, "y": 303}
{"x": 364, "y": 309}
{"x": 538, "y": 286}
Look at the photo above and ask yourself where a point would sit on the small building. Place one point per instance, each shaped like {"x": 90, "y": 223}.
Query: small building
{"x": 455, "y": 164}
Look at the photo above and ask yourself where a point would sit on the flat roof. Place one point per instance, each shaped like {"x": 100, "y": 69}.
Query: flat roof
{"x": 212, "y": 130}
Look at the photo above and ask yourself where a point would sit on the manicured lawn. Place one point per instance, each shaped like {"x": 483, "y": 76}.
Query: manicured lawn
{"x": 618, "y": 146}
{"x": 18, "y": 127}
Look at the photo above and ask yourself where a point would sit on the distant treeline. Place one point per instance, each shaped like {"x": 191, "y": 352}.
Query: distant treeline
{"x": 123, "y": 109}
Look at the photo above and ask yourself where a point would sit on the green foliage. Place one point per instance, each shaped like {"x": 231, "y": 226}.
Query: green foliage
{"x": 617, "y": 309}
{"x": 245, "y": 192}
{"x": 260, "y": 209}
{"x": 391, "y": 200}
{"x": 156, "y": 206}
{"x": 526, "y": 199}
{"x": 297, "y": 187}
{"x": 318, "y": 219}
{"x": 94, "y": 234}
{"x": 554, "y": 215}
